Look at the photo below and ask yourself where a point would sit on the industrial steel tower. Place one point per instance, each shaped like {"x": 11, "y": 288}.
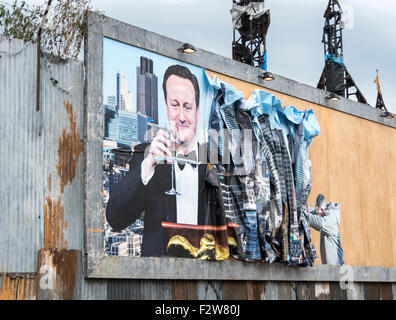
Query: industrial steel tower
{"x": 335, "y": 77}
{"x": 250, "y": 22}
{"x": 380, "y": 104}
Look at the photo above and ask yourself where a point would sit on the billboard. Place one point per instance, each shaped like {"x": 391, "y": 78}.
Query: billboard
{"x": 157, "y": 206}
{"x": 193, "y": 170}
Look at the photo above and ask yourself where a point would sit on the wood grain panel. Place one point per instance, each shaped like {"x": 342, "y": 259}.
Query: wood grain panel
{"x": 353, "y": 163}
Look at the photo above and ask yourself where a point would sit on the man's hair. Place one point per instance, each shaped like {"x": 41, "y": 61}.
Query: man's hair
{"x": 181, "y": 72}
{"x": 320, "y": 201}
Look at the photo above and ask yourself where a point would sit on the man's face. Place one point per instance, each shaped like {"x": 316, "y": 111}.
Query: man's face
{"x": 181, "y": 108}
{"x": 320, "y": 211}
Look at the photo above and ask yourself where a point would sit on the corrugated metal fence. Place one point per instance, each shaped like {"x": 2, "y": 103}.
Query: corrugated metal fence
{"x": 42, "y": 187}
{"x": 38, "y": 155}
{"x": 42, "y": 197}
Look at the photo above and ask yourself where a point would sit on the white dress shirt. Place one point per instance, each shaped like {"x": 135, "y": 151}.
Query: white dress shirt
{"x": 187, "y": 186}
{"x": 186, "y": 183}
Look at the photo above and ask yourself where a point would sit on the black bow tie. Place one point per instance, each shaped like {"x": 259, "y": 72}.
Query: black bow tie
{"x": 191, "y": 156}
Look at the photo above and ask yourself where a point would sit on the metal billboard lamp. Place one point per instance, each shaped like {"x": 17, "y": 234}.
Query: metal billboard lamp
{"x": 267, "y": 76}
{"x": 387, "y": 115}
{"x": 332, "y": 97}
{"x": 187, "y": 48}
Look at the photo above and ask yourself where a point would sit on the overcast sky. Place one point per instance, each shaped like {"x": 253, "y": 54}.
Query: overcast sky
{"x": 294, "y": 37}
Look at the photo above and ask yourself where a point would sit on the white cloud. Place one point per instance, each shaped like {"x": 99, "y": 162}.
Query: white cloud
{"x": 386, "y": 7}
{"x": 295, "y": 34}
{"x": 179, "y": 1}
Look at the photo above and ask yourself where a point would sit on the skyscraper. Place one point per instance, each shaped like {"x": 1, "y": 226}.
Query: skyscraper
{"x": 124, "y": 96}
{"x": 110, "y": 115}
{"x": 147, "y": 89}
{"x": 111, "y": 101}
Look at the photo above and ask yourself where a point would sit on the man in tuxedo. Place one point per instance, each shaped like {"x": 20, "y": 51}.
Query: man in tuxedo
{"x": 143, "y": 189}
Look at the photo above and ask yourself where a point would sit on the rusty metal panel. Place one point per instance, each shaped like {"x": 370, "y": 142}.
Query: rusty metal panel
{"x": 185, "y": 290}
{"x": 59, "y": 276}
{"x": 17, "y": 287}
{"x": 256, "y": 290}
{"x": 385, "y": 291}
{"x": 62, "y": 108}
{"x": 42, "y": 192}
{"x": 378, "y": 291}
{"x": 234, "y": 290}
{"x": 371, "y": 291}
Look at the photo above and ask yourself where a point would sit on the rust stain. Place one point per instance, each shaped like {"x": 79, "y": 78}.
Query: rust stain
{"x": 95, "y": 230}
{"x": 69, "y": 150}
{"x": 185, "y": 290}
{"x": 256, "y": 290}
{"x": 54, "y": 224}
{"x": 8, "y": 290}
{"x": 21, "y": 287}
{"x": 64, "y": 264}
{"x": 50, "y": 183}
{"x": 234, "y": 290}
{"x": 54, "y": 251}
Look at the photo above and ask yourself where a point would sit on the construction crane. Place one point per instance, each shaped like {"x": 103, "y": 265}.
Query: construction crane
{"x": 335, "y": 77}
{"x": 250, "y": 21}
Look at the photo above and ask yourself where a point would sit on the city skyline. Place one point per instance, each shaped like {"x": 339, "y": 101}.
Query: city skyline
{"x": 121, "y": 57}
{"x": 123, "y": 123}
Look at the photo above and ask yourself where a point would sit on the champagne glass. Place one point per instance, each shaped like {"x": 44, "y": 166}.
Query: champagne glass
{"x": 172, "y": 138}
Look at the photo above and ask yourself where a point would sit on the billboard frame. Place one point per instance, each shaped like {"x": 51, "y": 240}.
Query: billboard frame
{"x": 97, "y": 264}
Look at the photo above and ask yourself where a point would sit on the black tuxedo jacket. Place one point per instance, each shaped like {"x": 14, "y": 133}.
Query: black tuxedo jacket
{"x": 130, "y": 198}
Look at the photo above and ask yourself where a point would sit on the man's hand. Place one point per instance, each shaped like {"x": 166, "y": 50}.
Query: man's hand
{"x": 159, "y": 146}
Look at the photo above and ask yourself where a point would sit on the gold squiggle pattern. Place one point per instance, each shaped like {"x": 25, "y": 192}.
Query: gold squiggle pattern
{"x": 232, "y": 242}
{"x": 208, "y": 248}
